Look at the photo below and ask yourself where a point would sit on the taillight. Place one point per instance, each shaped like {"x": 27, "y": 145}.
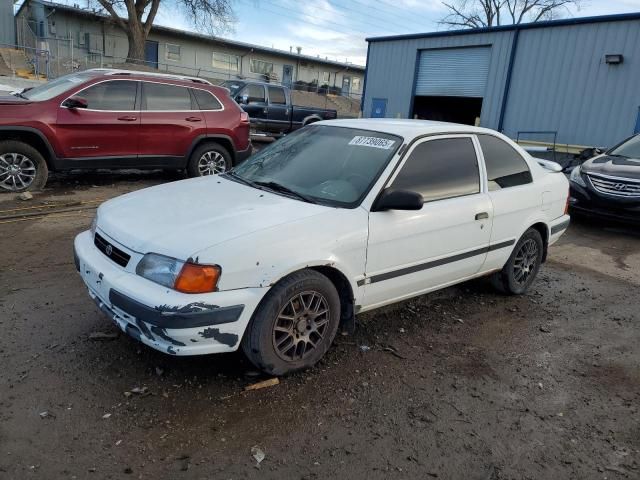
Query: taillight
{"x": 244, "y": 117}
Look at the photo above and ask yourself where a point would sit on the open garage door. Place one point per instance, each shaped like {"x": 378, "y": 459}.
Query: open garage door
{"x": 450, "y": 84}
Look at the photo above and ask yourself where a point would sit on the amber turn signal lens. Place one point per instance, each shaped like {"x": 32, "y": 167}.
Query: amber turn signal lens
{"x": 197, "y": 278}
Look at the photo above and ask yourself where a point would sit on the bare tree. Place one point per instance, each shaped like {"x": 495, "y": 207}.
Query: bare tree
{"x": 136, "y": 18}
{"x": 489, "y": 13}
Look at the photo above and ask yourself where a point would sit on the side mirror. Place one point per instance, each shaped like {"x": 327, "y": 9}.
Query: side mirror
{"x": 398, "y": 200}
{"x": 243, "y": 99}
{"x": 75, "y": 102}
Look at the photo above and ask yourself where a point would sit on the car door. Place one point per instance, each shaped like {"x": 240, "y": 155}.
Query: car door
{"x": 278, "y": 118}
{"x": 253, "y": 100}
{"x": 410, "y": 252}
{"x": 108, "y": 128}
{"x": 171, "y": 121}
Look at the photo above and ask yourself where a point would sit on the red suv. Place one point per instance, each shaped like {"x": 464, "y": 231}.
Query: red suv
{"x": 105, "y": 118}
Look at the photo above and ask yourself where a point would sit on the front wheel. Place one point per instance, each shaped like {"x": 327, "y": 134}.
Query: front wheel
{"x": 294, "y": 325}
{"x": 209, "y": 159}
{"x": 523, "y": 265}
{"x": 22, "y": 167}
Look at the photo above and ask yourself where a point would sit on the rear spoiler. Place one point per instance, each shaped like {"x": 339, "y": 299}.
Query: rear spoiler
{"x": 549, "y": 165}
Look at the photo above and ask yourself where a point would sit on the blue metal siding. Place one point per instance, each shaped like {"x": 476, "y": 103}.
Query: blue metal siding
{"x": 392, "y": 70}
{"x": 561, "y": 82}
{"x": 453, "y": 72}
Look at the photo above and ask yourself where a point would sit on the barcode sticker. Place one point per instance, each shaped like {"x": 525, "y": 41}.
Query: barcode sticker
{"x": 374, "y": 142}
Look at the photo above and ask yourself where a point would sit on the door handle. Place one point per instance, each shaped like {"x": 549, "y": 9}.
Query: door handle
{"x": 193, "y": 119}
{"x": 127, "y": 118}
{"x": 482, "y": 216}
{"x": 265, "y": 110}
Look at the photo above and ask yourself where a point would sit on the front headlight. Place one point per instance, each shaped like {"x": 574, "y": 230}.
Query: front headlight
{"x": 576, "y": 177}
{"x": 181, "y": 276}
{"x": 94, "y": 225}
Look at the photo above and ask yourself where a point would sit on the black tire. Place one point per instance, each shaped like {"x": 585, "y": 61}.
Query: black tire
{"x": 30, "y": 171}
{"x": 261, "y": 339}
{"x": 219, "y": 160}
{"x": 523, "y": 265}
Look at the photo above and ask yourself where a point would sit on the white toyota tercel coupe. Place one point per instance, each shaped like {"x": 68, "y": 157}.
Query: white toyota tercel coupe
{"x": 336, "y": 219}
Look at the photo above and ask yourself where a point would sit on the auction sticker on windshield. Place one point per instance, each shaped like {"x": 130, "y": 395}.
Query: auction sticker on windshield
{"x": 374, "y": 142}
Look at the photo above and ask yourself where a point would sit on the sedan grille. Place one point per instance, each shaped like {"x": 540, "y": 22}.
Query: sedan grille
{"x": 114, "y": 253}
{"x": 620, "y": 187}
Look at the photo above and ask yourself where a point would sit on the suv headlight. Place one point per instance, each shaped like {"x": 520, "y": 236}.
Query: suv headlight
{"x": 575, "y": 177}
{"x": 181, "y": 276}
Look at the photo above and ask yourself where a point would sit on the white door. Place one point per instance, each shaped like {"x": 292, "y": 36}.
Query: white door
{"x": 410, "y": 252}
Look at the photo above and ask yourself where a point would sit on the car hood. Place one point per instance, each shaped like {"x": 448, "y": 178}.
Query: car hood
{"x": 181, "y": 218}
{"x": 613, "y": 166}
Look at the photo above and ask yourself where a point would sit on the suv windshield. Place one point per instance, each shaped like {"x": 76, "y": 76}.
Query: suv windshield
{"x": 629, "y": 149}
{"x": 56, "y": 87}
{"x": 234, "y": 87}
{"x": 329, "y": 165}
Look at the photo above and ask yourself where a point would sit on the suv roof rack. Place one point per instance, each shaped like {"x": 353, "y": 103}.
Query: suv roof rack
{"x": 115, "y": 71}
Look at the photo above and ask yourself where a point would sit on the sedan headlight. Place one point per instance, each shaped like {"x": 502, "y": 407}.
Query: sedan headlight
{"x": 576, "y": 177}
{"x": 181, "y": 276}
{"x": 94, "y": 225}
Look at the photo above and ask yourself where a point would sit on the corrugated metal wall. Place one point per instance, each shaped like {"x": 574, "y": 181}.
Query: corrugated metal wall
{"x": 392, "y": 67}
{"x": 560, "y": 80}
{"x": 7, "y": 25}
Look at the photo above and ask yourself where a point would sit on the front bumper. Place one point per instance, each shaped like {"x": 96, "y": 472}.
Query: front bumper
{"x": 585, "y": 202}
{"x": 164, "y": 319}
{"x": 242, "y": 155}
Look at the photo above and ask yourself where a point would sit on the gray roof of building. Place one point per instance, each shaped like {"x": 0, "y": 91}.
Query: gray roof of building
{"x": 522, "y": 26}
{"x": 219, "y": 40}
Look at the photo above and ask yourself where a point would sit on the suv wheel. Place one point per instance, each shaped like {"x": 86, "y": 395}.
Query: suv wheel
{"x": 209, "y": 159}
{"x": 294, "y": 325}
{"x": 523, "y": 265}
{"x": 22, "y": 167}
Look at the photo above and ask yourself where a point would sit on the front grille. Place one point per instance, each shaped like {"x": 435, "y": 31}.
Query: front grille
{"x": 620, "y": 187}
{"x": 114, "y": 253}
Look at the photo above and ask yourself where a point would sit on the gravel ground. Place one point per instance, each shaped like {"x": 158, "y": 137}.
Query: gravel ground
{"x": 463, "y": 383}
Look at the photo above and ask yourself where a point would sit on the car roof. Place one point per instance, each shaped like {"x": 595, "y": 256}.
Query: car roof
{"x": 408, "y": 129}
{"x": 115, "y": 73}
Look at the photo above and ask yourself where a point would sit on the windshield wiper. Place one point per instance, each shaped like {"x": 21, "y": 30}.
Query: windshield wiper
{"x": 240, "y": 179}
{"x": 20, "y": 95}
{"x": 276, "y": 187}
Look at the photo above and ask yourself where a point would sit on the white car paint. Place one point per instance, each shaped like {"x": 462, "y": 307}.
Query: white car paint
{"x": 259, "y": 237}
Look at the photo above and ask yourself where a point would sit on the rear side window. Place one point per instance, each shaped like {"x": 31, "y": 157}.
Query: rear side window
{"x": 255, "y": 93}
{"x": 206, "y": 100}
{"x": 115, "y": 95}
{"x": 160, "y": 96}
{"x": 505, "y": 166}
{"x": 440, "y": 169}
{"x": 276, "y": 96}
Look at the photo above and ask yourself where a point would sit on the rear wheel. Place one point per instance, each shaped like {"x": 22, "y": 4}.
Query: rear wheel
{"x": 22, "y": 167}
{"x": 209, "y": 159}
{"x": 523, "y": 265}
{"x": 294, "y": 325}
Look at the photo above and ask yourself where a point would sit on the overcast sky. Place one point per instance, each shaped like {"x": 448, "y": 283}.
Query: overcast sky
{"x": 337, "y": 28}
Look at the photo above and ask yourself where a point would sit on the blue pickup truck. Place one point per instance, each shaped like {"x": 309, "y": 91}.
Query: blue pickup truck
{"x": 270, "y": 108}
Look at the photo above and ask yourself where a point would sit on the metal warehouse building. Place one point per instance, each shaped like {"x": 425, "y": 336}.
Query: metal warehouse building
{"x": 576, "y": 80}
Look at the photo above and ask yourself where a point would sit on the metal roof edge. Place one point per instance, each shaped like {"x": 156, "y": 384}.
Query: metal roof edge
{"x": 620, "y": 17}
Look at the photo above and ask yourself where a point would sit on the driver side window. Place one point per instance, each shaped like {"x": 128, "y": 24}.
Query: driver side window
{"x": 440, "y": 169}
{"x": 114, "y": 95}
{"x": 255, "y": 93}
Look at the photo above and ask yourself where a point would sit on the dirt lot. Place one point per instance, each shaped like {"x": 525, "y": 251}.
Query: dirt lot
{"x": 460, "y": 384}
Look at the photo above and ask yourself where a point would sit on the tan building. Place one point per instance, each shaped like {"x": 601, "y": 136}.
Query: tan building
{"x": 77, "y": 38}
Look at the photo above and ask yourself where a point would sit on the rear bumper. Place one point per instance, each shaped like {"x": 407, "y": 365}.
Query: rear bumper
{"x": 164, "y": 319}
{"x": 242, "y": 155}
{"x": 557, "y": 227}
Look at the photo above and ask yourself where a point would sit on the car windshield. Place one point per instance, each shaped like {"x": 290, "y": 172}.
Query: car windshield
{"x": 629, "y": 149}
{"x": 233, "y": 87}
{"x": 325, "y": 164}
{"x": 55, "y": 87}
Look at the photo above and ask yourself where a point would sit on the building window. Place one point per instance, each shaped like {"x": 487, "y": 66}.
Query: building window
{"x": 355, "y": 84}
{"x": 258, "y": 66}
{"x": 226, "y": 62}
{"x": 173, "y": 51}
{"x": 326, "y": 77}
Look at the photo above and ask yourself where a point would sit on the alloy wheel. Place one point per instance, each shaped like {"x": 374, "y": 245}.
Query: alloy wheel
{"x": 212, "y": 163}
{"x": 301, "y": 325}
{"x": 525, "y": 261}
{"x": 17, "y": 171}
